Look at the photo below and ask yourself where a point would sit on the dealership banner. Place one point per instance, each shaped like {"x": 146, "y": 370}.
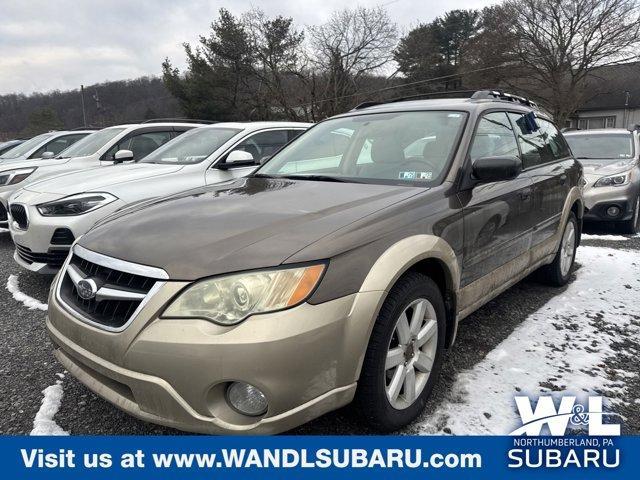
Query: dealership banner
{"x": 467, "y": 457}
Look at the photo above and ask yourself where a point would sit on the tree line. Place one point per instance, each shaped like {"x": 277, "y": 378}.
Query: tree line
{"x": 256, "y": 66}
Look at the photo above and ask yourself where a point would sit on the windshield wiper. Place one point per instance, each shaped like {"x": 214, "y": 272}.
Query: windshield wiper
{"x": 317, "y": 178}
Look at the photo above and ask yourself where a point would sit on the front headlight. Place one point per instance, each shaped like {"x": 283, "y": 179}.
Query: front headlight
{"x": 11, "y": 177}
{"x": 614, "y": 180}
{"x": 75, "y": 204}
{"x": 229, "y": 300}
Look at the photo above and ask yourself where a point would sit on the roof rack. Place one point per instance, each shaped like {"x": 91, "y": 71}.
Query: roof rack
{"x": 473, "y": 94}
{"x": 500, "y": 95}
{"x": 181, "y": 120}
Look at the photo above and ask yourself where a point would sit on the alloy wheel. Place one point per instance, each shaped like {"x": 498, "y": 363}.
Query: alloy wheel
{"x": 411, "y": 353}
{"x": 567, "y": 248}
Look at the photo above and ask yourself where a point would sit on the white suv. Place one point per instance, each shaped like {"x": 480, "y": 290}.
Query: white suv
{"x": 129, "y": 142}
{"x": 48, "y": 216}
{"x": 46, "y": 145}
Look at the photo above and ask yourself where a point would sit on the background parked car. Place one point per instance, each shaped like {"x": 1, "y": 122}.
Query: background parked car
{"x": 46, "y": 145}
{"x": 6, "y": 146}
{"x": 104, "y": 147}
{"x": 610, "y": 159}
{"x": 49, "y": 215}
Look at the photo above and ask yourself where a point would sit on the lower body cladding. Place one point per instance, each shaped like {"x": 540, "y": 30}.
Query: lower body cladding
{"x": 304, "y": 362}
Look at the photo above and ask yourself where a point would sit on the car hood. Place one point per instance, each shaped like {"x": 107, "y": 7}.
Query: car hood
{"x": 100, "y": 179}
{"x": 598, "y": 167}
{"x": 251, "y": 223}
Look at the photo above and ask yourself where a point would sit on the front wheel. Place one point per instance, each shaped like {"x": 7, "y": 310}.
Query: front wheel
{"x": 404, "y": 354}
{"x": 632, "y": 226}
{"x": 558, "y": 272}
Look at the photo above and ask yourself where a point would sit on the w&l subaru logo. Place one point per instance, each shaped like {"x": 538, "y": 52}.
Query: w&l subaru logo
{"x": 540, "y": 443}
{"x": 558, "y": 420}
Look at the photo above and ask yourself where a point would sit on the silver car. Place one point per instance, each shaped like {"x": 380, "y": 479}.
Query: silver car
{"x": 609, "y": 158}
{"x": 46, "y": 145}
{"x": 54, "y": 212}
{"x": 101, "y": 148}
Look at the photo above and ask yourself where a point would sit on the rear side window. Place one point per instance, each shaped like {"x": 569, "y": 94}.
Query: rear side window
{"x": 494, "y": 137}
{"x": 542, "y": 146}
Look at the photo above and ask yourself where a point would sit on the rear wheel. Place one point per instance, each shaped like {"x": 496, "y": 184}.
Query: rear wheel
{"x": 558, "y": 272}
{"x": 404, "y": 355}
{"x": 632, "y": 226}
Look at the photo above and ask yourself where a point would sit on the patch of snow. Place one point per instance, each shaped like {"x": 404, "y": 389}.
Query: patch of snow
{"x": 31, "y": 303}
{"x": 616, "y": 238}
{"x": 560, "y": 349}
{"x": 44, "y": 424}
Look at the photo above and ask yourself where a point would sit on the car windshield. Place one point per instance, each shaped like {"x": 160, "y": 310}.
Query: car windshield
{"x": 400, "y": 148}
{"x": 601, "y": 146}
{"x": 192, "y": 147}
{"x": 91, "y": 143}
{"x": 25, "y": 147}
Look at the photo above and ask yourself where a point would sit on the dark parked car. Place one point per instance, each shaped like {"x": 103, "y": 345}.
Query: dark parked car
{"x": 337, "y": 272}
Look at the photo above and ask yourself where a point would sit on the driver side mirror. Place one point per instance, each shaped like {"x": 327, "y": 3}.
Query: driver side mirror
{"x": 496, "y": 169}
{"x": 122, "y": 156}
{"x": 238, "y": 156}
{"x": 47, "y": 155}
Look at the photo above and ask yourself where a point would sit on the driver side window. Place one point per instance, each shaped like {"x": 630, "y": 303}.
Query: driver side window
{"x": 264, "y": 144}
{"x": 494, "y": 137}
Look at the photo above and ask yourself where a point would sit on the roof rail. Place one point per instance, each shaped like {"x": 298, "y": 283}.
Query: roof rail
{"x": 181, "y": 120}
{"x": 474, "y": 94}
{"x": 83, "y": 128}
{"x": 500, "y": 95}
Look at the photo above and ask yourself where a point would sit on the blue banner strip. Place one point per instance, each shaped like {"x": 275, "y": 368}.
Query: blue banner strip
{"x": 280, "y": 457}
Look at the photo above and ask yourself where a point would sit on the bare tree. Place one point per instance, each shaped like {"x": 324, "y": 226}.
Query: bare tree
{"x": 351, "y": 45}
{"x": 559, "y": 43}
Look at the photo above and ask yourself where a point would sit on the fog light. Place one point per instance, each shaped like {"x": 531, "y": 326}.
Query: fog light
{"x": 246, "y": 399}
{"x": 613, "y": 211}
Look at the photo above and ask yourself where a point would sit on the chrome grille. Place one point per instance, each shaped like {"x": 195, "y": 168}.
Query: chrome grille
{"x": 118, "y": 294}
{"x": 19, "y": 215}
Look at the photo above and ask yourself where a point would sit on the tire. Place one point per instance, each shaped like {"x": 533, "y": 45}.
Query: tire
{"x": 632, "y": 226}
{"x": 556, "y": 274}
{"x": 372, "y": 401}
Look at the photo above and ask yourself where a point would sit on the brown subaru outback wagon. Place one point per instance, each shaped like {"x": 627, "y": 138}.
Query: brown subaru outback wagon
{"x": 337, "y": 272}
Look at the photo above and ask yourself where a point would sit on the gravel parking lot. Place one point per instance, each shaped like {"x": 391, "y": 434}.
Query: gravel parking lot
{"x": 531, "y": 339}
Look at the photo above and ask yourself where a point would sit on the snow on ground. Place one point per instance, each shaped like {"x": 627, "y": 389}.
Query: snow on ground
{"x": 560, "y": 349}
{"x": 44, "y": 424}
{"x": 617, "y": 238}
{"x": 31, "y": 303}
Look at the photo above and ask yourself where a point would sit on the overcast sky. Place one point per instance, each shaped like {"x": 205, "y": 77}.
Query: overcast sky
{"x": 60, "y": 44}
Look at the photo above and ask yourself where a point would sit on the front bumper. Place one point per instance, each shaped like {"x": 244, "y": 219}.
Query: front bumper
{"x": 598, "y": 199}
{"x": 36, "y": 248}
{"x": 173, "y": 372}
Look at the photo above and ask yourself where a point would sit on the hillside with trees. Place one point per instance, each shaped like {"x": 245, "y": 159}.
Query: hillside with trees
{"x": 106, "y": 104}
